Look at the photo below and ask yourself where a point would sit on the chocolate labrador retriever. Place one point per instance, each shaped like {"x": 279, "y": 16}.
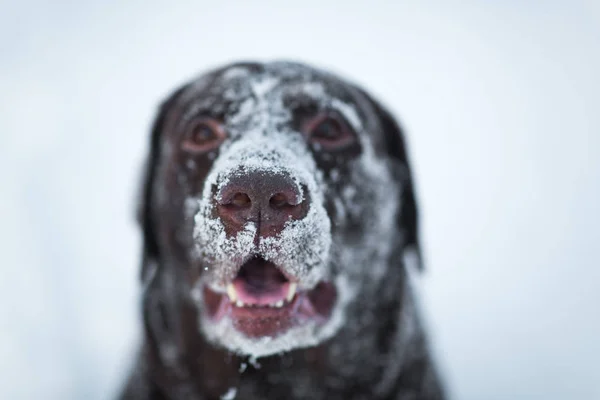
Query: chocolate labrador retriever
{"x": 278, "y": 214}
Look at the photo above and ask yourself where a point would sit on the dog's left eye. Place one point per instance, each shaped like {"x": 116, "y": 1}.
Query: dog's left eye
{"x": 329, "y": 131}
{"x": 203, "y": 135}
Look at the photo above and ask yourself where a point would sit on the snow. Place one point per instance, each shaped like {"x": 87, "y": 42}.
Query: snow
{"x": 230, "y": 394}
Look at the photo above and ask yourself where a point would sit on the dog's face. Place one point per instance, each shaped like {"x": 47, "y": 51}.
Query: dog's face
{"x": 277, "y": 203}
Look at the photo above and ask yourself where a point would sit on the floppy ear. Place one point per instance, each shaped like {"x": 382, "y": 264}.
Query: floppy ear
{"x": 396, "y": 148}
{"x": 150, "y": 252}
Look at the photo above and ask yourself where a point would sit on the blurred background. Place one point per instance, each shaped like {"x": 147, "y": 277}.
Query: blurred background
{"x": 500, "y": 102}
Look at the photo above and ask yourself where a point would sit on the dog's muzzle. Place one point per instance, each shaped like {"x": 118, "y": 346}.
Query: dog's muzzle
{"x": 264, "y": 240}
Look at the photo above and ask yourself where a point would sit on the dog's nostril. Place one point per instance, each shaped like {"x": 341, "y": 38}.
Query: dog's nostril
{"x": 279, "y": 200}
{"x": 240, "y": 200}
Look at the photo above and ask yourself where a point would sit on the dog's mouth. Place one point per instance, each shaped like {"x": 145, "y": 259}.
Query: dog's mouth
{"x": 262, "y": 301}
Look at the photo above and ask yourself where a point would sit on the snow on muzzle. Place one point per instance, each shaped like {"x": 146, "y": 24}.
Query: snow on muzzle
{"x": 263, "y": 200}
{"x": 264, "y": 237}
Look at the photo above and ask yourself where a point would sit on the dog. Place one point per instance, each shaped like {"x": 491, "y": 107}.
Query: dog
{"x": 279, "y": 218}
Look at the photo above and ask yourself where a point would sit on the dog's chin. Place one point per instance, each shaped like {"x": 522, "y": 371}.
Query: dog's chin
{"x": 263, "y": 311}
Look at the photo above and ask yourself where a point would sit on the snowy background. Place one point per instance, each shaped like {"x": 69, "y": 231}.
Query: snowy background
{"x": 500, "y": 101}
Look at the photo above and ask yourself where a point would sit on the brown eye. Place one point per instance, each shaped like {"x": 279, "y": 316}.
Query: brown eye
{"x": 329, "y": 131}
{"x": 203, "y": 135}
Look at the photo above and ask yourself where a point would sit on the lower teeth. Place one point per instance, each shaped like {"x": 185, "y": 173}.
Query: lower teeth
{"x": 278, "y": 304}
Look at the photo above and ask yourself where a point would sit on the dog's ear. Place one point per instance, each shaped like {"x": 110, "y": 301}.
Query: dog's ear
{"x": 150, "y": 250}
{"x": 396, "y": 148}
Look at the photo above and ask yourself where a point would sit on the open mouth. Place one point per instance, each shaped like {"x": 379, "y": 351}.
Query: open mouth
{"x": 262, "y": 301}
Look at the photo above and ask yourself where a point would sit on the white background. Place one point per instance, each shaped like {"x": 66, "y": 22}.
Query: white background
{"x": 500, "y": 101}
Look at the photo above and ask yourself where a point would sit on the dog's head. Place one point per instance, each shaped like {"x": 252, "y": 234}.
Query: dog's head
{"x": 277, "y": 197}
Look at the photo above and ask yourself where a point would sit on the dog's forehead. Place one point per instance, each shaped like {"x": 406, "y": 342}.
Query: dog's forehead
{"x": 243, "y": 94}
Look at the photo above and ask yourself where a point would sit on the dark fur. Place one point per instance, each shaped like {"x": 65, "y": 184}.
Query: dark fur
{"x": 192, "y": 368}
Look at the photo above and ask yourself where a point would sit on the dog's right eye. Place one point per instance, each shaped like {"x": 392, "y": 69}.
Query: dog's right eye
{"x": 330, "y": 131}
{"x": 203, "y": 135}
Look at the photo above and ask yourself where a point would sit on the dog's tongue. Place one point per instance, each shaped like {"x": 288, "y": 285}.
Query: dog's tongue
{"x": 260, "y": 282}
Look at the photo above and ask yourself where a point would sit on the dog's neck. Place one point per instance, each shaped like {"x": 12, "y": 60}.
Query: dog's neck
{"x": 381, "y": 358}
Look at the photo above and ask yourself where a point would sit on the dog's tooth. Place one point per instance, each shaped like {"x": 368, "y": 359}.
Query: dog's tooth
{"x": 279, "y": 304}
{"x": 292, "y": 291}
{"x": 231, "y": 293}
{"x": 239, "y": 303}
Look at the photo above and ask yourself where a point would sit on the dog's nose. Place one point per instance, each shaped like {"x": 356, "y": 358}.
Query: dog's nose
{"x": 266, "y": 198}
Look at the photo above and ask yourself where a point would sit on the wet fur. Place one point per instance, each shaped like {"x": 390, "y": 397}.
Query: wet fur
{"x": 379, "y": 353}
